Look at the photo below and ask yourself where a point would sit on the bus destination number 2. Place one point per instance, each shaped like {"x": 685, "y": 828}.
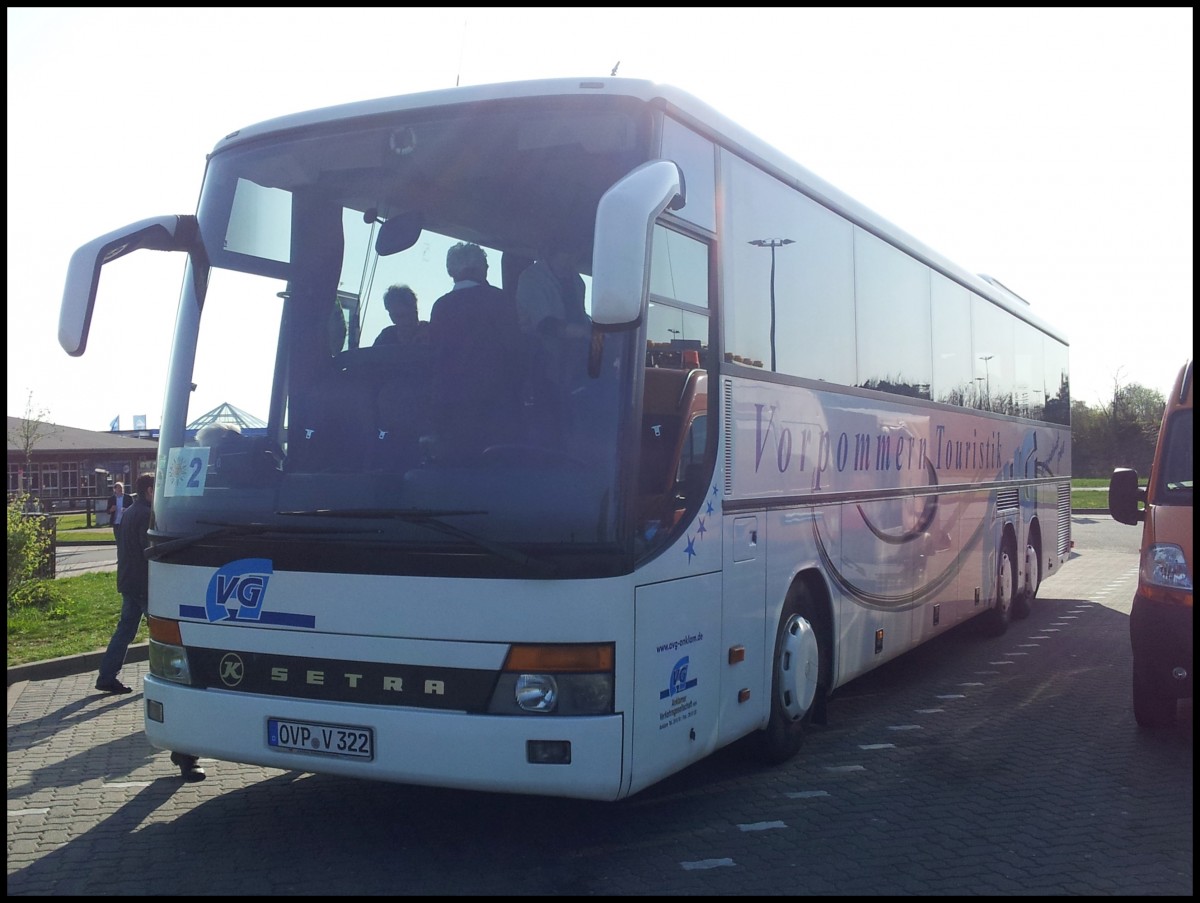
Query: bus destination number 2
{"x": 326, "y": 739}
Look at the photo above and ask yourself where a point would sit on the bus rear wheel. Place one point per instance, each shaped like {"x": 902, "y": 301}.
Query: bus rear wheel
{"x": 1023, "y": 603}
{"x": 795, "y": 681}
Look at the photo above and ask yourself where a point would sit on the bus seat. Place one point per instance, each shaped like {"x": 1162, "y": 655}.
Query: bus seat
{"x": 402, "y": 409}
{"x": 330, "y": 425}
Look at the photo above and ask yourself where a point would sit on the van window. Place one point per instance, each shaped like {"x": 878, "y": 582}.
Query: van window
{"x": 1175, "y": 485}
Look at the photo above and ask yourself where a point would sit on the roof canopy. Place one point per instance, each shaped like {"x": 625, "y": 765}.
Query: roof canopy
{"x": 227, "y": 415}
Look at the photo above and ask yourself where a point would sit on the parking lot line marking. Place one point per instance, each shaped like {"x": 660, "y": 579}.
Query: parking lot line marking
{"x": 706, "y": 864}
{"x": 762, "y": 826}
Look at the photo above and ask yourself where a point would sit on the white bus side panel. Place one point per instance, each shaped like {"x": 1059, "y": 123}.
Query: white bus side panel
{"x": 744, "y": 612}
{"x": 677, "y": 675}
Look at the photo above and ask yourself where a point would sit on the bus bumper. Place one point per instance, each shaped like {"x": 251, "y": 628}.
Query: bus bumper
{"x": 411, "y": 746}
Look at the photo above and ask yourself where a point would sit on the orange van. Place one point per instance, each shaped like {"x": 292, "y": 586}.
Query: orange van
{"x": 1160, "y": 625}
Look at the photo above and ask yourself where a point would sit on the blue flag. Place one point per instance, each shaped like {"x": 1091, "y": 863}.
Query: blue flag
{"x": 116, "y": 424}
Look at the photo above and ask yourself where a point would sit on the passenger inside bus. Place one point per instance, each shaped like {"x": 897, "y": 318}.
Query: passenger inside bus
{"x": 476, "y": 385}
{"x": 555, "y": 330}
{"x": 407, "y": 327}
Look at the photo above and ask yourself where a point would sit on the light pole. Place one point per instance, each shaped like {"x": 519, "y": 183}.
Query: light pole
{"x": 772, "y": 243}
{"x": 987, "y": 378}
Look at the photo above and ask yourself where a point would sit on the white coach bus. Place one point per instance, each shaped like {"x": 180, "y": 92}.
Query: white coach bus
{"x": 783, "y": 443}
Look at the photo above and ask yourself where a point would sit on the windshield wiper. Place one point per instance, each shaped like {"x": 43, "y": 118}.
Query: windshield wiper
{"x": 158, "y": 550}
{"x": 432, "y": 518}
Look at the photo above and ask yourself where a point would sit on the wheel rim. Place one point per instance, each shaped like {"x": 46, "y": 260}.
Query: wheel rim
{"x": 1031, "y": 571}
{"x": 799, "y": 668}
{"x": 1006, "y": 583}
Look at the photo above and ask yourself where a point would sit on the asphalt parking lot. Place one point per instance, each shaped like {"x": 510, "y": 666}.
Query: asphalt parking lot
{"x": 969, "y": 766}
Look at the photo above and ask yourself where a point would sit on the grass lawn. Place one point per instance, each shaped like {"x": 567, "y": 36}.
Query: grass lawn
{"x": 74, "y": 527}
{"x": 84, "y": 623}
{"x": 1090, "y": 492}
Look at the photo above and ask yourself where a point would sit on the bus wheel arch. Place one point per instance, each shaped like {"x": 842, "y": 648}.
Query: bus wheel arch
{"x": 1023, "y": 603}
{"x": 801, "y": 670}
{"x": 1000, "y": 615}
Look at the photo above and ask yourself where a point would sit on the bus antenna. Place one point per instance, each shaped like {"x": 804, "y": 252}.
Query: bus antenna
{"x": 462, "y": 48}
{"x": 614, "y": 72}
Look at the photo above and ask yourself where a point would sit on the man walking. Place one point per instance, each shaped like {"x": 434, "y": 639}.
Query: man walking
{"x": 133, "y": 582}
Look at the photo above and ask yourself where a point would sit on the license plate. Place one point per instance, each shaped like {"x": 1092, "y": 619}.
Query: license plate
{"x": 325, "y": 739}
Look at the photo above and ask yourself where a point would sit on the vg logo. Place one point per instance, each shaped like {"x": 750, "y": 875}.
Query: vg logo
{"x": 236, "y": 591}
{"x": 679, "y": 680}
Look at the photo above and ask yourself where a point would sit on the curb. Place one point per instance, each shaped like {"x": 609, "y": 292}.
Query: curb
{"x": 67, "y": 665}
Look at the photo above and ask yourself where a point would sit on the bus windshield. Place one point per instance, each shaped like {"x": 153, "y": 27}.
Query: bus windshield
{"x": 488, "y": 422}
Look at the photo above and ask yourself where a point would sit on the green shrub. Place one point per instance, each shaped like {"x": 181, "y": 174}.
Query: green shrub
{"x": 45, "y": 595}
{"x": 29, "y": 551}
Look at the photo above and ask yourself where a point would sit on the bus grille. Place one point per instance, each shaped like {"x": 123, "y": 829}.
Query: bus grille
{"x": 1064, "y": 518}
{"x": 1008, "y": 499}
{"x": 728, "y": 427}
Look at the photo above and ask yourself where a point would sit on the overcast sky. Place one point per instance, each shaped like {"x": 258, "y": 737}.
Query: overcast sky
{"x": 1050, "y": 149}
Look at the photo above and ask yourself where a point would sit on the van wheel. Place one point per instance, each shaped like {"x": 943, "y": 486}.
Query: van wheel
{"x": 999, "y": 616}
{"x": 1150, "y": 708}
{"x": 1023, "y": 603}
{"x": 795, "y": 680}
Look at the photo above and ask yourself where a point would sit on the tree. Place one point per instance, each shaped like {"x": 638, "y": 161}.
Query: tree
{"x": 1121, "y": 434}
{"x": 1134, "y": 419}
{"x": 1090, "y": 453}
{"x": 31, "y": 428}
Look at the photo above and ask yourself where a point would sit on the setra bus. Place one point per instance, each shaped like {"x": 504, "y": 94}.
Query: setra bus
{"x": 785, "y": 443}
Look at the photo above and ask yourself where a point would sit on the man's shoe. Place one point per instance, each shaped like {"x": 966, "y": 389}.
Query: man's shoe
{"x": 113, "y": 686}
{"x": 189, "y": 769}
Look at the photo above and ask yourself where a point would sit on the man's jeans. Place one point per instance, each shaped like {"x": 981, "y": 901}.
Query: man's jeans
{"x": 133, "y": 610}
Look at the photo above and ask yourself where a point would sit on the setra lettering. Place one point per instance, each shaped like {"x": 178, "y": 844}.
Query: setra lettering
{"x": 354, "y": 681}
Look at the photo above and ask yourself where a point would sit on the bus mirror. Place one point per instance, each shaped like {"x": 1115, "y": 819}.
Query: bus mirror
{"x": 621, "y": 254}
{"x": 398, "y": 234}
{"x": 162, "y": 233}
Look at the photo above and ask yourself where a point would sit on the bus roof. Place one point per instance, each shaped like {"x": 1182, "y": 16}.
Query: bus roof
{"x": 693, "y": 112}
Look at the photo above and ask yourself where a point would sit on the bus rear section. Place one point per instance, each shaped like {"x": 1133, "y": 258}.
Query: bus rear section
{"x": 1160, "y": 624}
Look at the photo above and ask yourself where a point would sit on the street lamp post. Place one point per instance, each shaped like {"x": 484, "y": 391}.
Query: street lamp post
{"x": 987, "y": 378}
{"x": 772, "y": 243}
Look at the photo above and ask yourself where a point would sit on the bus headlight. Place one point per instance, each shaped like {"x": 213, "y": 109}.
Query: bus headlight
{"x": 563, "y": 679}
{"x": 168, "y": 657}
{"x": 170, "y": 663}
{"x": 536, "y": 692}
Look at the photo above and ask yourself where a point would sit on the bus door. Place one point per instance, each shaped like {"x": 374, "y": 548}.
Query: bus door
{"x": 745, "y": 675}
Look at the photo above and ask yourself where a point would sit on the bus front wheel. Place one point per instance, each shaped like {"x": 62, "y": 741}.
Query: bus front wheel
{"x": 795, "y": 681}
